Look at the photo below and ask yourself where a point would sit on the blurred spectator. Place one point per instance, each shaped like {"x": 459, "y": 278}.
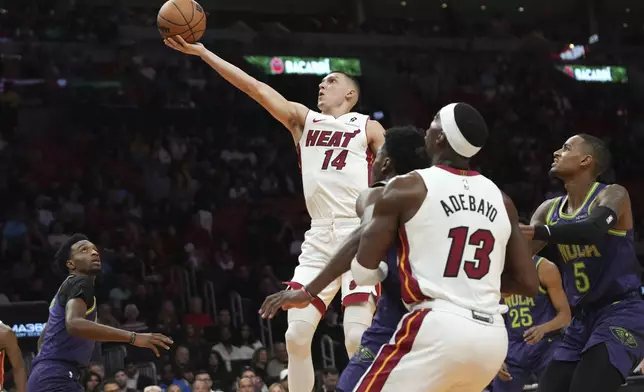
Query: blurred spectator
{"x": 167, "y": 320}
{"x": 132, "y": 322}
{"x": 135, "y": 379}
{"x": 279, "y": 363}
{"x": 223, "y": 318}
{"x": 121, "y": 378}
{"x": 106, "y": 317}
{"x": 194, "y": 341}
{"x": 276, "y": 388}
{"x": 225, "y": 348}
{"x": 97, "y": 368}
{"x": 204, "y": 377}
{"x": 111, "y": 386}
{"x": 197, "y": 317}
{"x": 245, "y": 384}
{"x": 259, "y": 361}
{"x": 91, "y": 382}
{"x": 200, "y": 386}
{"x": 284, "y": 379}
{"x": 329, "y": 380}
{"x": 218, "y": 372}
{"x": 248, "y": 344}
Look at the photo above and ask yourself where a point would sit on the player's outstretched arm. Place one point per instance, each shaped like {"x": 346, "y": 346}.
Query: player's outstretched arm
{"x": 550, "y": 279}
{"x": 291, "y": 114}
{"x": 539, "y": 217}
{"x": 78, "y": 326}
{"x": 9, "y": 343}
{"x": 610, "y": 210}
{"x": 520, "y": 274}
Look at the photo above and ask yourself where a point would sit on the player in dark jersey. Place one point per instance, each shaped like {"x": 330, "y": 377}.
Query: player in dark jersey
{"x": 67, "y": 342}
{"x": 9, "y": 348}
{"x": 534, "y": 329}
{"x": 593, "y": 229}
{"x": 402, "y": 152}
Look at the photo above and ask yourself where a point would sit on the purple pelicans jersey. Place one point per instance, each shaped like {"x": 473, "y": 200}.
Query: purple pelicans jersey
{"x": 524, "y": 360}
{"x": 57, "y": 365}
{"x": 602, "y": 283}
{"x": 389, "y": 312}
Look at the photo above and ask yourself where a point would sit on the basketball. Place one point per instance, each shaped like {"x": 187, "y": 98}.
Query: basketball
{"x": 182, "y": 17}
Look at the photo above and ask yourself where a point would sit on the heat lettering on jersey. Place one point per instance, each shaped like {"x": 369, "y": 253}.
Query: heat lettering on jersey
{"x": 461, "y": 202}
{"x": 319, "y": 138}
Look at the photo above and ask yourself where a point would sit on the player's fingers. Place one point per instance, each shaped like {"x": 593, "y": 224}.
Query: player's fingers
{"x": 267, "y": 304}
{"x": 163, "y": 338}
{"x": 154, "y": 349}
{"x": 180, "y": 41}
{"x": 160, "y": 343}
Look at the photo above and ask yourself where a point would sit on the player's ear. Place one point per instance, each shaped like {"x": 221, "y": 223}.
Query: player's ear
{"x": 441, "y": 138}
{"x": 351, "y": 94}
{"x": 586, "y": 161}
{"x": 70, "y": 265}
{"x": 387, "y": 165}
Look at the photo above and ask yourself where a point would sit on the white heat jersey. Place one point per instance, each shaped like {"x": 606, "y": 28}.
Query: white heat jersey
{"x": 454, "y": 247}
{"x": 336, "y": 163}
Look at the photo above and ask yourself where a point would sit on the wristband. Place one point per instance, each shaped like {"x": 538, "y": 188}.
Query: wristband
{"x": 311, "y": 296}
{"x": 541, "y": 233}
{"x": 132, "y": 337}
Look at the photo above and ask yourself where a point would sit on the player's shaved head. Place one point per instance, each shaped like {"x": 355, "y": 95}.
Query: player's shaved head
{"x": 596, "y": 148}
{"x": 405, "y": 146}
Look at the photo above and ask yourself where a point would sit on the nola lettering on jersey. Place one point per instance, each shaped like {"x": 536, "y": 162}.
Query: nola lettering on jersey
{"x": 456, "y": 203}
{"x": 319, "y": 138}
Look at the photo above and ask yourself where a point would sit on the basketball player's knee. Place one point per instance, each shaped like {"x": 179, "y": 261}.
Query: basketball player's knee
{"x": 352, "y": 336}
{"x": 299, "y": 336}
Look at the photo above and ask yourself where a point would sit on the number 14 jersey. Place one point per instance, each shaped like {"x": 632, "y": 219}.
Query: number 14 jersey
{"x": 454, "y": 247}
{"x": 335, "y": 160}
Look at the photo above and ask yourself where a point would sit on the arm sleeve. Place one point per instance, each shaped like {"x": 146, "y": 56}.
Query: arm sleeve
{"x": 77, "y": 287}
{"x": 585, "y": 232}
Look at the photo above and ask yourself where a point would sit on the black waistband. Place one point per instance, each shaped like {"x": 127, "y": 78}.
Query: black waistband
{"x": 581, "y": 310}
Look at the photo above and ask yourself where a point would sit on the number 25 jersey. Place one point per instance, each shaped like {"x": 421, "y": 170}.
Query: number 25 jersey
{"x": 454, "y": 247}
{"x": 335, "y": 160}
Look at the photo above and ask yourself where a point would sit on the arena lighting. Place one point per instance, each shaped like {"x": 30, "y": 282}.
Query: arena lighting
{"x": 521, "y": 9}
{"x": 444, "y": 5}
{"x": 483, "y": 7}
{"x": 292, "y": 65}
{"x": 600, "y": 74}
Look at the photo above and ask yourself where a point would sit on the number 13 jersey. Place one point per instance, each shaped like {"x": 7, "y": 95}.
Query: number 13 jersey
{"x": 454, "y": 247}
{"x": 335, "y": 160}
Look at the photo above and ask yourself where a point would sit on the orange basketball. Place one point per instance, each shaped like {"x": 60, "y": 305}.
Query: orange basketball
{"x": 182, "y": 17}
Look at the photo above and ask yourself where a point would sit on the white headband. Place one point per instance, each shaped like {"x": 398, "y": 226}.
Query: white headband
{"x": 454, "y": 135}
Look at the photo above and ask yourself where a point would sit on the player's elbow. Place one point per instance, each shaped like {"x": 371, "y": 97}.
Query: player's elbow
{"x": 260, "y": 91}
{"x": 72, "y": 327}
{"x": 364, "y": 276}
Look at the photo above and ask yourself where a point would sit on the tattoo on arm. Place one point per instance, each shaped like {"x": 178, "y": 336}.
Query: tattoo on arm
{"x": 614, "y": 197}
